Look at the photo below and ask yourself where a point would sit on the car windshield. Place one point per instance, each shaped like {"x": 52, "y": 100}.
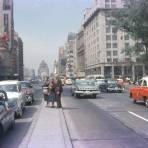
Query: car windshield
{"x": 25, "y": 85}
{"x": 9, "y": 88}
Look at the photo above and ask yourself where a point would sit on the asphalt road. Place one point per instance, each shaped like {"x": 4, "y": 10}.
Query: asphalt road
{"x": 110, "y": 121}
{"x": 23, "y": 126}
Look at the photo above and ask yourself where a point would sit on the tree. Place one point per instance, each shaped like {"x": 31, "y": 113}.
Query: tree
{"x": 133, "y": 19}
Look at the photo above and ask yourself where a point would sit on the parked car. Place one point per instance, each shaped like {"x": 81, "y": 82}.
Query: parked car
{"x": 114, "y": 87}
{"x": 27, "y": 89}
{"x": 140, "y": 92}
{"x": 85, "y": 88}
{"x": 7, "y": 119}
{"x": 16, "y": 98}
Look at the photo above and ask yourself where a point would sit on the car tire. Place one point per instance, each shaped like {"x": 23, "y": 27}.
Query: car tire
{"x": 94, "y": 96}
{"x": 77, "y": 96}
{"x": 20, "y": 113}
{"x": 1, "y": 131}
{"x": 146, "y": 103}
{"x": 12, "y": 125}
{"x": 134, "y": 101}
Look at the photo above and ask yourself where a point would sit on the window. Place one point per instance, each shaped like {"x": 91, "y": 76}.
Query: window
{"x": 6, "y": 22}
{"x": 109, "y": 60}
{"x": 126, "y": 37}
{"x": 144, "y": 83}
{"x": 6, "y": 5}
{"x": 114, "y": 30}
{"x": 108, "y": 45}
{"x": 113, "y": 5}
{"x": 114, "y": 37}
{"x": 108, "y": 37}
{"x": 114, "y": 45}
{"x": 126, "y": 45}
{"x": 113, "y": 1}
{"x": 107, "y": 1}
{"x": 107, "y": 5}
{"x": 115, "y": 60}
{"x": 115, "y": 53}
{"x": 108, "y": 30}
{"x": 108, "y": 53}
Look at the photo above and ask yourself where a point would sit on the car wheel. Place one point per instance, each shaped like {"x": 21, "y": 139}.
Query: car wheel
{"x": 1, "y": 131}
{"x": 134, "y": 101}
{"x": 20, "y": 113}
{"x": 12, "y": 125}
{"x": 77, "y": 95}
{"x": 94, "y": 95}
{"x": 33, "y": 98}
{"x": 72, "y": 94}
{"x": 146, "y": 103}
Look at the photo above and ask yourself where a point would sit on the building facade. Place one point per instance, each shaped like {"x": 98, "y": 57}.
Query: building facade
{"x": 80, "y": 53}
{"x": 71, "y": 64}
{"x": 43, "y": 70}
{"x": 6, "y": 39}
{"x": 104, "y": 43}
{"x": 62, "y": 62}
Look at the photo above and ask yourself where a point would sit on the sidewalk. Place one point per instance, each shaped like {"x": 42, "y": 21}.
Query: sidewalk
{"x": 50, "y": 130}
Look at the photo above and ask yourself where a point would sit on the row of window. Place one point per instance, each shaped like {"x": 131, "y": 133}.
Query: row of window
{"x": 113, "y": 45}
{"x": 112, "y": 1}
{"x": 115, "y": 53}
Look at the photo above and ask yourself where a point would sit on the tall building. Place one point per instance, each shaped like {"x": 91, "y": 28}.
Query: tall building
{"x": 6, "y": 38}
{"x": 18, "y": 56}
{"x": 104, "y": 42}
{"x": 80, "y": 53}
{"x": 71, "y": 64}
{"x": 62, "y": 61}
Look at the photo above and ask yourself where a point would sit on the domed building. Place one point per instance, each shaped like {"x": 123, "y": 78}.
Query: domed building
{"x": 43, "y": 70}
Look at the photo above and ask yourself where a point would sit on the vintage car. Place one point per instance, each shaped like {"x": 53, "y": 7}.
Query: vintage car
{"x": 114, "y": 87}
{"x": 140, "y": 92}
{"x": 7, "y": 120}
{"x": 85, "y": 88}
{"x": 27, "y": 89}
{"x": 16, "y": 98}
{"x": 103, "y": 86}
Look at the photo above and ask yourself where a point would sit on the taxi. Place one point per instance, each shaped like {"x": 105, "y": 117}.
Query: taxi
{"x": 140, "y": 92}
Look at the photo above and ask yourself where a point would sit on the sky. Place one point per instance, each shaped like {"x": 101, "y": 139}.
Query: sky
{"x": 43, "y": 26}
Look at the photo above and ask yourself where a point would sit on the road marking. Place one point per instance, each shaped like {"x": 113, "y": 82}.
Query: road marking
{"x": 138, "y": 116}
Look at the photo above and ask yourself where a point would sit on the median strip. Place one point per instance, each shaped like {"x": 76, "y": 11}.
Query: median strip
{"x": 138, "y": 116}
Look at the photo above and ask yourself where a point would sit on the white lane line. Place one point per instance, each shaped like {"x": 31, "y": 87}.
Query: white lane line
{"x": 138, "y": 116}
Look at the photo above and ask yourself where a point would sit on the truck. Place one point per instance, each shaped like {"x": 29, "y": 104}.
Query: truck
{"x": 140, "y": 92}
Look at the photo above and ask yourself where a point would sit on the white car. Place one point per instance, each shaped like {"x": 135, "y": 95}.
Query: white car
{"x": 85, "y": 88}
{"x": 16, "y": 98}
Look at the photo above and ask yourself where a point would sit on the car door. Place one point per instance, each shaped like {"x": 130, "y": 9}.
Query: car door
{"x": 4, "y": 116}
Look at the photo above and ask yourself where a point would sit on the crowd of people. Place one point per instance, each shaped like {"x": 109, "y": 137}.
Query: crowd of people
{"x": 52, "y": 90}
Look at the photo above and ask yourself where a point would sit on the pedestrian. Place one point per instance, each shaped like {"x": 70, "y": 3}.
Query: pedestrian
{"x": 59, "y": 90}
{"x": 52, "y": 96}
{"x": 46, "y": 88}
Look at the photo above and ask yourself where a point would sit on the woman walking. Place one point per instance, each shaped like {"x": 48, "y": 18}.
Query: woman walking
{"x": 58, "y": 90}
{"x": 51, "y": 95}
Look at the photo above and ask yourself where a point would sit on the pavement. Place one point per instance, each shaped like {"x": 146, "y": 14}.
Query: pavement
{"x": 49, "y": 130}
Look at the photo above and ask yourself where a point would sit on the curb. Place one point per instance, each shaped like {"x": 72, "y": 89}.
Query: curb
{"x": 25, "y": 142}
{"x": 65, "y": 130}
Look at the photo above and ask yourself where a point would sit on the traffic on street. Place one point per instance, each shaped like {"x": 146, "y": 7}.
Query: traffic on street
{"x": 110, "y": 120}
{"x": 74, "y": 74}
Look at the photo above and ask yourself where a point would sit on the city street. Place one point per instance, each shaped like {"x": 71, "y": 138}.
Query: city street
{"x": 106, "y": 121}
{"x": 111, "y": 121}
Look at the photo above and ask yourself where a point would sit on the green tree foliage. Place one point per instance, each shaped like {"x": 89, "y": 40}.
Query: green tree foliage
{"x": 133, "y": 19}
